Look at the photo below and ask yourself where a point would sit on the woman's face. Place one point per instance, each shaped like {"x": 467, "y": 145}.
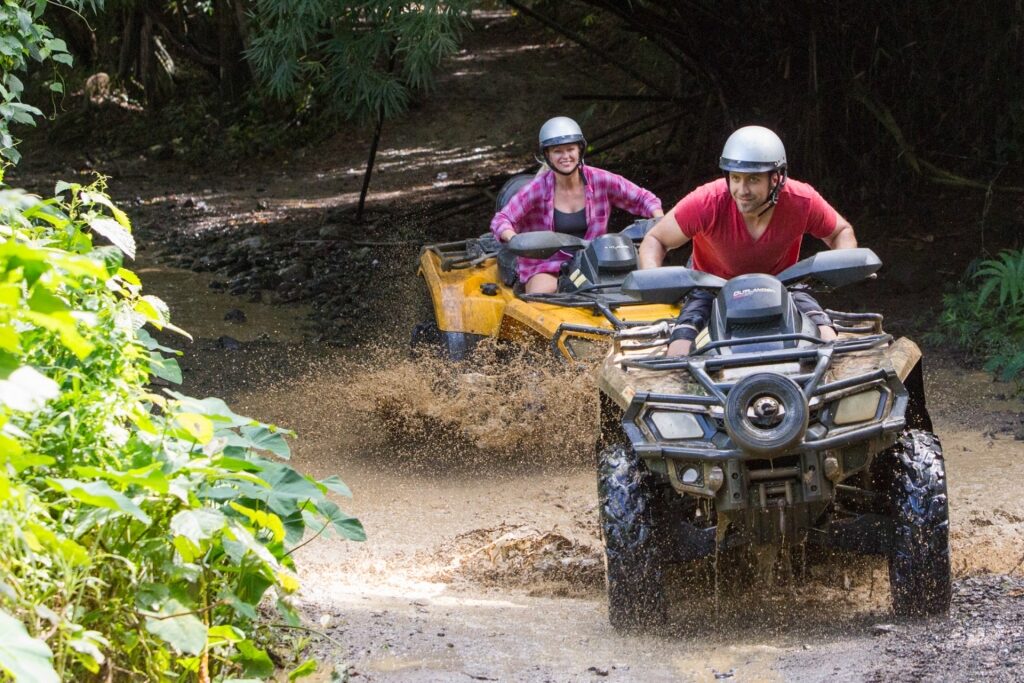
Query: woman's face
{"x": 563, "y": 158}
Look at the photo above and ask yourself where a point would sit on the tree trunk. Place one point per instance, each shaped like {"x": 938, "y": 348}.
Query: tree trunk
{"x": 233, "y": 74}
{"x": 369, "y": 166}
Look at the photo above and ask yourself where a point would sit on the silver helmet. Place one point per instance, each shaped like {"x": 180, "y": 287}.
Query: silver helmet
{"x": 753, "y": 149}
{"x": 560, "y": 130}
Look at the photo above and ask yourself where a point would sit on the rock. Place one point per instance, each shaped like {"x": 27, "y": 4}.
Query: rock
{"x": 882, "y": 629}
{"x": 235, "y": 315}
{"x": 262, "y": 205}
{"x": 160, "y": 152}
{"x": 332, "y": 231}
{"x": 229, "y": 343}
{"x": 251, "y": 243}
{"x": 294, "y": 272}
{"x": 597, "y": 672}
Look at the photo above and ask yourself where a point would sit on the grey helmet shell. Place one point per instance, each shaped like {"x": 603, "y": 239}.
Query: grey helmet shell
{"x": 560, "y": 130}
{"x": 753, "y": 149}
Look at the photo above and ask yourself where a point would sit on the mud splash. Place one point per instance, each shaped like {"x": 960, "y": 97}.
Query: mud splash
{"x": 511, "y": 403}
{"x": 545, "y": 563}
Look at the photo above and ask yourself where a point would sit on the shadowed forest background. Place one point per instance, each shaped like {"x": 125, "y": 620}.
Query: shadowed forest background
{"x": 906, "y": 117}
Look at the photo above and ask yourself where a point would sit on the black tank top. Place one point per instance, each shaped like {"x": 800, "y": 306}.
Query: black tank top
{"x": 574, "y": 223}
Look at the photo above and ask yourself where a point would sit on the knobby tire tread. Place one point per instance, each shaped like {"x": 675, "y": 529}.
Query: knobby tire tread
{"x": 634, "y": 569}
{"x": 919, "y": 562}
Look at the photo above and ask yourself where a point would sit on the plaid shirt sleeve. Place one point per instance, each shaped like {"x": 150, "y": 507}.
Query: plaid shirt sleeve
{"x": 605, "y": 190}
{"x": 629, "y": 196}
{"x": 523, "y": 213}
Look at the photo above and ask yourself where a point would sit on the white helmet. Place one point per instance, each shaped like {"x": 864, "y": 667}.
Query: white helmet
{"x": 560, "y": 130}
{"x": 753, "y": 149}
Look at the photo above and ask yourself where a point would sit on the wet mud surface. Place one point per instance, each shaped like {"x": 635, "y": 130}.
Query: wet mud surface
{"x": 476, "y": 485}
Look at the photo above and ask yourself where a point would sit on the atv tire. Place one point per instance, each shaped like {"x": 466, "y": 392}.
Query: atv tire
{"x": 449, "y": 345}
{"x": 636, "y": 599}
{"x": 919, "y": 565}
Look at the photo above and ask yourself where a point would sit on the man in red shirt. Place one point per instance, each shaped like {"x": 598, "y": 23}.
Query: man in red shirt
{"x": 751, "y": 221}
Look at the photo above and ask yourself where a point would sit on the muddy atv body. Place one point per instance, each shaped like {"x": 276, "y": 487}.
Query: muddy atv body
{"x": 474, "y": 293}
{"x": 767, "y": 437}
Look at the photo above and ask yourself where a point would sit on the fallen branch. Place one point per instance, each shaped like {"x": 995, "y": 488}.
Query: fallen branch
{"x": 635, "y": 134}
{"x": 617, "y": 98}
{"x": 920, "y": 166}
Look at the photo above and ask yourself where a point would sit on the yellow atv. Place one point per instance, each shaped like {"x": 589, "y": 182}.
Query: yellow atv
{"x": 474, "y": 293}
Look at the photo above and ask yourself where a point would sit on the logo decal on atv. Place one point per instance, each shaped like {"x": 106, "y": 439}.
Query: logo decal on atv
{"x": 742, "y": 293}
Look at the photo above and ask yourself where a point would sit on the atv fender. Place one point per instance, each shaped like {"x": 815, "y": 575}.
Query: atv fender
{"x": 461, "y": 303}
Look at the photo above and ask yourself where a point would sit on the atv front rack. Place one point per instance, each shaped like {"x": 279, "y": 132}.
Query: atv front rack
{"x": 464, "y": 253}
{"x": 810, "y": 384}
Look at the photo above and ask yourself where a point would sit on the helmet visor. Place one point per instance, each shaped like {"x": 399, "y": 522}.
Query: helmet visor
{"x": 749, "y": 166}
{"x": 562, "y": 140}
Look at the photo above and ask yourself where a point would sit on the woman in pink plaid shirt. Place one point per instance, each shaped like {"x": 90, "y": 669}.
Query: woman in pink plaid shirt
{"x": 574, "y": 199}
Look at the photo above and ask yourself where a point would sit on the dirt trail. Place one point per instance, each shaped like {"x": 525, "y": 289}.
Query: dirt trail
{"x": 483, "y": 561}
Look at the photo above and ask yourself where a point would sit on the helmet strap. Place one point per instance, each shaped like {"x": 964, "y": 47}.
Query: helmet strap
{"x": 773, "y": 194}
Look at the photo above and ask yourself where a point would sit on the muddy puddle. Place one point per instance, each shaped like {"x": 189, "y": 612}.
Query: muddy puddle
{"x": 201, "y": 310}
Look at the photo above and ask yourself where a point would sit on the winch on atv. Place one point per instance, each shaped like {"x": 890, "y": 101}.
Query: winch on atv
{"x": 765, "y": 437}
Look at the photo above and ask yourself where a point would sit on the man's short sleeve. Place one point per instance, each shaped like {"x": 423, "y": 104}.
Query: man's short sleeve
{"x": 821, "y": 217}
{"x": 694, "y": 212}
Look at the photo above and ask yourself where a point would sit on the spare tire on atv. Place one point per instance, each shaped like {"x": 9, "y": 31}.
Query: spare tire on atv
{"x": 636, "y": 597}
{"x": 919, "y": 565}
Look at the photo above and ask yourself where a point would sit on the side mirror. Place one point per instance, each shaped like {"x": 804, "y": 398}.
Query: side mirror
{"x": 667, "y": 285}
{"x": 833, "y": 268}
{"x": 543, "y": 243}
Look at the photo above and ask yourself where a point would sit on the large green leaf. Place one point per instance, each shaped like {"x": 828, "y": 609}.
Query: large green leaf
{"x": 179, "y": 627}
{"x": 164, "y": 368}
{"x": 198, "y": 525}
{"x": 27, "y": 389}
{"x": 253, "y": 660}
{"x": 346, "y": 525}
{"x": 334, "y": 483}
{"x": 115, "y": 232}
{"x": 213, "y": 408}
{"x": 287, "y": 488}
{"x": 99, "y": 494}
{"x": 261, "y": 437}
{"x": 22, "y": 656}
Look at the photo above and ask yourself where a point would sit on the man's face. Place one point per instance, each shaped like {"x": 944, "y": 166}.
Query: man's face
{"x": 750, "y": 190}
{"x": 564, "y": 157}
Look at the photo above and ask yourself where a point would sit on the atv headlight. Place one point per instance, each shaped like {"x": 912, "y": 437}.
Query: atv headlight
{"x": 858, "y": 408}
{"x": 676, "y": 424}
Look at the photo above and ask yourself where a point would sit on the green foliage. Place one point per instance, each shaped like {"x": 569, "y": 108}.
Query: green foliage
{"x": 1005, "y": 274}
{"x": 140, "y": 530}
{"x": 361, "y": 58}
{"x": 24, "y": 40}
{"x": 992, "y": 331}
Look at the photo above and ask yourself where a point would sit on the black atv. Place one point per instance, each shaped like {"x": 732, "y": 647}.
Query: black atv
{"x": 766, "y": 436}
